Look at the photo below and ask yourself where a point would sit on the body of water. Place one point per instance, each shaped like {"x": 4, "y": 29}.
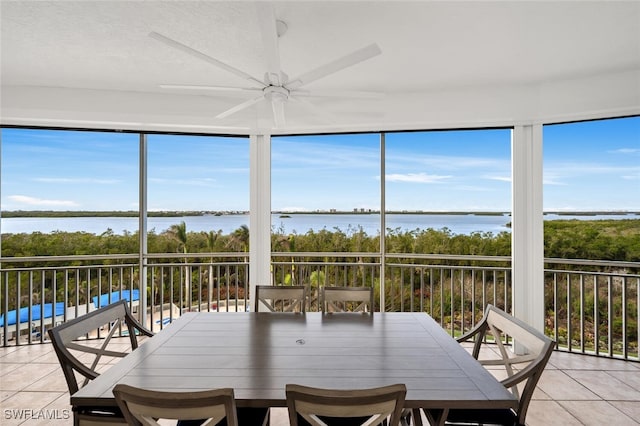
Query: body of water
{"x": 295, "y": 223}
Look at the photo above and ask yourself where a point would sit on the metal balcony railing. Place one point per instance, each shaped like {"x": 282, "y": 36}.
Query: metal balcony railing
{"x": 453, "y": 289}
{"x": 585, "y": 301}
{"x": 592, "y": 307}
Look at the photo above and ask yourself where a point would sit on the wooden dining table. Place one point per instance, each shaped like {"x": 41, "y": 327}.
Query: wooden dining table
{"x": 257, "y": 354}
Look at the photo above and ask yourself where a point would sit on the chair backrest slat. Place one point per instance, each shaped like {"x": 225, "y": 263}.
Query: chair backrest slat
{"x": 520, "y": 332}
{"x": 146, "y": 407}
{"x": 281, "y": 298}
{"x": 84, "y": 325}
{"x": 371, "y": 407}
{"x": 336, "y": 299}
{"x": 80, "y": 336}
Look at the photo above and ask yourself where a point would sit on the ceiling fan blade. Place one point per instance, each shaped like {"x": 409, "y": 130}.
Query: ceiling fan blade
{"x": 336, "y": 65}
{"x": 186, "y": 49}
{"x": 240, "y": 107}
{"x": 269, "y": 31}
{"x": 352, "y": 94}
{"x": 314, "y": 110}
{"x": 278, "y": 113}
{"x": 211, "y": 88}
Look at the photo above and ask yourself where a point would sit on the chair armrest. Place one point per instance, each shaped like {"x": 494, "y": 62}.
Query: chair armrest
{"x": 141, "y": 328}
{"x": 537, "y": 364}
{"x": 479, "y": 331}
{"x": 521, "y": 375}
{"x": 480, "y": 328}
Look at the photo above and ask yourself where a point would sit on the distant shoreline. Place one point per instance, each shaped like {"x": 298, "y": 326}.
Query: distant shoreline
{"x": 133, "y": 213}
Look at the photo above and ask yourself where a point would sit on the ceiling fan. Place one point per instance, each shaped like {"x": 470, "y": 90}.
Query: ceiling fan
{"x": 276, "y": 87}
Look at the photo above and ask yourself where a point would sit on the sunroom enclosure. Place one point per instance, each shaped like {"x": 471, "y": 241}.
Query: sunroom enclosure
{"x": 503, "y": 281}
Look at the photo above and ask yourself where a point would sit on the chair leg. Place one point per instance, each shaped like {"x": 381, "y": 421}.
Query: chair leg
{"x": 411, "y": 417}
{"x": 436, "y": 417}
{"x": 417, "y": 417}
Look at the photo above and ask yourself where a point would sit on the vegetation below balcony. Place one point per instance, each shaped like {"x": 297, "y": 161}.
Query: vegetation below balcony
{"x": 591, "y": 272}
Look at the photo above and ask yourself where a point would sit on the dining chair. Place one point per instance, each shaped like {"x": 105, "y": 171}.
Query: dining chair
{"x": 80, "y": 345}
{"x": 347, "y": 299}
{"x": 291, "y": 298}
{"x": 143, "y": 407}
{"x": 523, "y": 359}
{"x": 329, "y": 407}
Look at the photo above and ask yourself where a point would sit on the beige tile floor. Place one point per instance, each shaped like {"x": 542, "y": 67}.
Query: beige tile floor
{"x": 574, "y": 390}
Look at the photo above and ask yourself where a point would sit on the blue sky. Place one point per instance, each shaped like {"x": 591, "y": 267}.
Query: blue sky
{"x": 587, "y": 166}
{"x": 592, "y": 165}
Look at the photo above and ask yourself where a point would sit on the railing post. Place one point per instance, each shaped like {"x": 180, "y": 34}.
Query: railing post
{"x": 142, "y": 226}
{"x": 383, "y": 226}
{"x": 527, "y": 233}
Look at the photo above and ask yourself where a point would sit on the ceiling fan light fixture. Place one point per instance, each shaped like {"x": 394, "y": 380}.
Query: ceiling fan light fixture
{"x": 276, "y": 94}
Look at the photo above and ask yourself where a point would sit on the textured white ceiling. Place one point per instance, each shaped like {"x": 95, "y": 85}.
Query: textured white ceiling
{"x": 92, "y": 63}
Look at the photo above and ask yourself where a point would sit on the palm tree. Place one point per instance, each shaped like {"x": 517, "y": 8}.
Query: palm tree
{"x": 290, "y": 245}
{"x": 179, "y": 233}
{"x": 212, "y": 237}
{"x": 240, "y": 239}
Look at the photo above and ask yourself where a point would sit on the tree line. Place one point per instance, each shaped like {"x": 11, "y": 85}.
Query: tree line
{"x": 616, "y": 240}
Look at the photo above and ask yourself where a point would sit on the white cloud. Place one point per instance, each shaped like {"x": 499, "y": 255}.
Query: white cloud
{"x": 553, "y": 177}
{"x": 32, "y": 201}
{"x": 301, "y": 154}
{"x": 78, "y": 180}
{"x": 570, "y": 169}
{"x": 472, "y": 188}
{"x": 558, "y": 174}
{"x": 626, "y": 151}
{"x": 209, "y": 182}
{"x": 416, "y": 178}
{"x": 447, "y": 162}
{"x": 546, "y": 181}
{"x": 500, "y": 178}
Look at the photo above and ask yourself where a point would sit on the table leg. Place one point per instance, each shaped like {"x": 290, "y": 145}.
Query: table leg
{"x": 436, "y": 417}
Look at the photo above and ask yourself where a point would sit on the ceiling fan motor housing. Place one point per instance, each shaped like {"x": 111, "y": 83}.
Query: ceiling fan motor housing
{"x": 276, "y": 93}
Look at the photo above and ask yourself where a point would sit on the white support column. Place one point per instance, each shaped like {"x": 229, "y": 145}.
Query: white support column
{"x": 527, "y": 241}
{"x": 260, "y": 212}
{"x": 0, "y": 194}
